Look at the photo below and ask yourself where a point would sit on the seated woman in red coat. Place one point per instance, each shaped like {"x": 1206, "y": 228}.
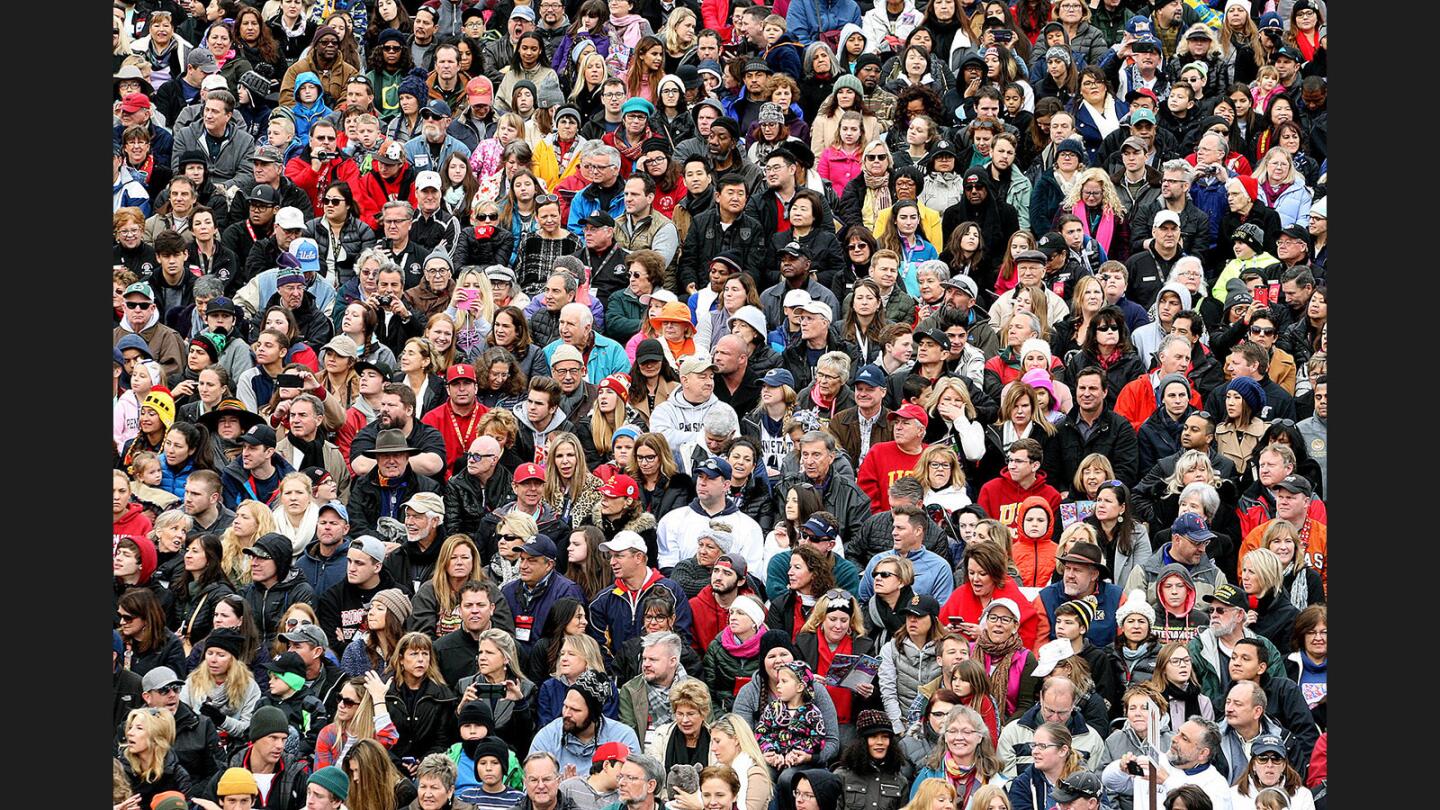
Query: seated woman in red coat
{"x": 986, "y": 580}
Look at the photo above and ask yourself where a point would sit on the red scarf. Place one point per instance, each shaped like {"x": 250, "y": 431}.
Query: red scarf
{"x": 840, "y": 695}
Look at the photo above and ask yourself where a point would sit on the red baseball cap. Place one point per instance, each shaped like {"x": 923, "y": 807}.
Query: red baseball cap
{"x": 611, "y": 752}
{"x": 620, "y": 486}
{"x": 460, "y": 371}
{"x": 911, "y": 411}
{"x": 135, "y": 101}
{"x": 529, "y": 472}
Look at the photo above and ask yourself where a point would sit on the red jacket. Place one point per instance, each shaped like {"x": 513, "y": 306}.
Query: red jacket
{"x": 302, "y": 174}
{"x": 709, "y": 618}
{"x": 1001, "y": 498}
{"x": 884, "y": 461}
{"x": 459, "y": 432}
{"x": 372, "y": 192}
{"x": 1035, "y": 558}
{"x": 964, "y": 605}
{"x": 1136, "y": 401}
{"x": 132, "y": 522}
{"x": 715, "y": 14}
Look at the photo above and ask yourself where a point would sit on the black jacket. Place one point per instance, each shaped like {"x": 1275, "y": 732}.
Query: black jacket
{"x": 483, "y": 252}
{"x": 795, "y": 359}
{"x": 316, "y": 329}
{"x": 411, "y": 566}
{"x": 1122, "y": 371}
{"x": 291, "y": 196}
{"x": 467, "y": 501}
{"x": 426, "y": 723}
{"x": 369, "y": 501}
{"x": 173, "y": 777}
{"x": 128, "y": 691}
{"x": 1112, "y": 437}
{"x": 706, "y": 240}
{"x": 269, "y": 604}
{"x": 287, "y": 789}
{"x": 340, "y": 611}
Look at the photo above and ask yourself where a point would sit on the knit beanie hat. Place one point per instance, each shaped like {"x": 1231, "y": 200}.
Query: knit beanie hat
{"x": 490, "y": 747}
{"x": 227, "y": 639}
{"x": 1250, "y": 234}
{"x": 773, "y": 639}
{"x": 164, "y": 405}
{"x": 725, "y": 540}
{"x": 394, "y": 601}
{"x": 771, "y": 113}
{"x": 1252, "y": 186}
{"x": 1084, "y": 609}
{"x": 872, "y": 721}
{"x": 322, "y": 31}
{"x": 1057, "y": 52}
{"x": 169, "y": 800}
{"x": 477, "y": 712}
{"x": 851, "y": 82}
{"x": 619, "y": 383}
{"x": 414, "y": 85}
{"x": 332, "y": 779}
{"x": 238, "y": 781}
{"x": 1165, "y": 382}
{"x": 1250, "y": 391}
{"x": 1135, "y": 604}
{"x": 1035, "y": 345}
{"x": 265, "y": 721}
{"x": 594, "y": 688}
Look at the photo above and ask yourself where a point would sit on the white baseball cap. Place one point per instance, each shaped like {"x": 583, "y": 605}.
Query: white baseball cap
{"x": 796, "y": 298}
{"x": 1165, "y": 215}
{"x": 289, "y": 218}
{"x": 818, "y": 308}
{"x": 624, "y": 541}
{"x": 427, "y": 179}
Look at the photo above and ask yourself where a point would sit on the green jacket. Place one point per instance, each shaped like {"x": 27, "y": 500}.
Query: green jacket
{"x": 623, "y": 316}
{"x": 721, "y": 668}
{"x": 1205, "y": 658}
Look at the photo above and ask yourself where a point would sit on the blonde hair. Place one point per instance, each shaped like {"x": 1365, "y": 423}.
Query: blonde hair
{"x": 672, "y": 40}
{"x": 462, "y": 317}
{"x": 1012, "y": 396}
{"x": 602, "y": 427}
{"x": 997, "y": 532}
{"x": 446, "y": 597}
{"x": 693, "y": 691}
{"x": 1262, "y": 167}
{"x": 1189, "y": 461}
{"x": 1077, "y": 295}
{"x": 922, "y": 470}
{"x": 1080, "y": 532}
{"x": 119, "y": 783}
{"x": 903, "y": 568}
{"x": 1267, "y": 568}
{"x": 850, "y": 115}
{"x": 986, "y": 795}
{"x": 1279, "y": 530}
{"x": 554, "y": 487}
{"x": 362, "y": 723}
{"x": 237, "y": 682}
{"x": 928, "y": 791}
{"x": 427, "y": 351}
{"x": 159, "y": 727}
{"x": 1039, "y": 305}
{"x": 586, "y": 647}
{"x": 518, "y": 523}
{"x": 736, "y": 726}
{"x": 1092, "y": 460}
{"x": 503, "y": 642}
{"x": 931, "y": 399}
{"x": 233, "y": 561}
{"x": 822, "y": 609}
{"x": 1107, "y": 191}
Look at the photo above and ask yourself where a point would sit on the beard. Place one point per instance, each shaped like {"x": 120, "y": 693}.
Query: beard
{"x": 724, "y": 590}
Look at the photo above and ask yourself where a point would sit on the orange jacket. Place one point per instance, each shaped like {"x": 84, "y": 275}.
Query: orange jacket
{"x": 1316, "y": 551}
{"x": 1034, "y": 558}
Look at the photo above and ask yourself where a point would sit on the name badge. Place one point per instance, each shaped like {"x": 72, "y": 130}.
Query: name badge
{"x": 523, "y": 625}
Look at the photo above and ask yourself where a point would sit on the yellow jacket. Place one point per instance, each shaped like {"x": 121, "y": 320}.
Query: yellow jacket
{"x": 929, "y": 225}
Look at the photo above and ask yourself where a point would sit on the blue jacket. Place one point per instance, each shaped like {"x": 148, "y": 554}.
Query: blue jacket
{"x": 615, "y": 619}
{"x": 801, "y": 22}
{"x": 306, "y": 115}
{"x": 1086, "y": 128}
{"x": 586, "y": 203}
{"x": 236, "y": 482}
{"x": 128, "y": 192}
{"x": 1103, "y": 628}
{"x": 172, "y": 481}
{"x": 1210, "y": 198}
{"x": 570, "y": 751}
{"x": 552, "y": 697}
{"x": 1030, "y": 791}
{"x": 322, "y": 573}
{"x": 161, "y": 142}
{"x": 419, "y": 156}
{"x": 606, "y": 357}
{"x": 537, "y": 609}
{"x": 784, "y": 56}
{"x": 933, "y": 575}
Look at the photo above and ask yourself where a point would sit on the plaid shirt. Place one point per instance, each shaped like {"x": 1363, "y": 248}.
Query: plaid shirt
{"x": 537, "y": 257}
{"x": 660, "y": 699}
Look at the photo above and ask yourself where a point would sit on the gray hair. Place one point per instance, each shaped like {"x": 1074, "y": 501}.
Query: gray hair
{"x": 535, "y": 756}
{"x": 1034, "y": 321}
{"x": 1257, "y": 693}
{"x": 1173, "y": 338}
{"x": 1179, "y": 165}
{"x": 666, "y": 638}
{"x": 837, "y": 362}
{"x": 571, "y": 283}
{"x": 209, "y": 286}
{"x": 580, "y": 311}
{"x": 1060, "y": 682}
{"x": 1209, "y": 498}
{"x": 907, "y": 488}
{"x": 1210, "y": 738}
{"x": 379, "y": 256}
{"x": 608, "y": 152}
{"x": 1186, "y": 261}
{"x": 935, "y": 267}
{"x": 401, "y": 204}
{"x": 438, "y": 766}
{"x": 653, "y": 768}
{"x": 721, "y": 422}
{"x": 1224, "y": 145}
{"x": 813, "y": 436}
{"x": 311, "y": 400}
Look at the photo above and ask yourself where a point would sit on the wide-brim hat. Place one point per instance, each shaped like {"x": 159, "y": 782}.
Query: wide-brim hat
{"x": 230, "y": 407}
{"x": 390, "y": 441}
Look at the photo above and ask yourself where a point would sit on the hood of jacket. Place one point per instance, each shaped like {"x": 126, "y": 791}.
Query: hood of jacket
{"x": 279, "y": 548}
{"x": 1179, "y": 289}
{"x": 852, "y": 28}
{"x": 1177, "y": 570}
{"x": 524, "y": 419}
{"x": 149, "y": 322}
{"x": 645, "y": 522}
{"x": 1036, "y": 502}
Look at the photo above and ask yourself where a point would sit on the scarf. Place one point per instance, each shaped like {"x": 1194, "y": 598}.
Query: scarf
{"x": 841, "y": 697}
{"x": 678, "y": 753}
{"x": 1273, "y": 192}
{"x": 1105, "y": 233}
{"x": 631, "y": 150}
{"x": 628, "y": 27}
{"x": 736, "y": 647}
{"x": 312, "y": 453}
{"x": 1000, "y": 656}
{"x": 1188, "y": 695}
{"x": 159, "y": 59}
{"x": 879, "y": 186}
{"x": 1299, "y": 587}
{"x": 960, "y": 777}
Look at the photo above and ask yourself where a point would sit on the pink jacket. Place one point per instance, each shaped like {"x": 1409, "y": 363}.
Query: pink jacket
{"x": 838, "y": 166}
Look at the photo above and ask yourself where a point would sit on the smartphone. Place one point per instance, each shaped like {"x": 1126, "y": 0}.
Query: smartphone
{"x": 1262, "y": 295}
{"x": 1274, "y": 287}
{"x": 289, "y": 381}
{"x": 489, "y": 690}
{"x": 1134, "y": 768}
{"x": 464, "y": 298}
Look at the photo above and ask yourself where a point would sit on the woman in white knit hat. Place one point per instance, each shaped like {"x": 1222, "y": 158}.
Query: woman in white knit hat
{"x": 1137, "y": 645}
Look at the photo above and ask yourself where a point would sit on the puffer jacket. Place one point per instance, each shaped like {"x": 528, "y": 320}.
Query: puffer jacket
{"x": 173, "y": 777}
{"x": 720, "y": 670}
{"x": 355, "y": 236}
{"x": 903, "y": 668}
{"x": 467, "y": 501}
{"x": 430, "y": 727}
{"x": 873, "y": 790}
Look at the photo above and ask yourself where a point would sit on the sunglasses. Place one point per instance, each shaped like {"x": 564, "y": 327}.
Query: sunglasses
{"x": 1109, "y": 327}
{"x": 344, "y": 701}
{"x": 1263, "y": 331}
{"x": 510, "y": 538}
{"x": 166, "y": 690}
{"x": 334, "y": 200}
{"x": 877, "y": 157}
{"x": 885, "y": 574}
{"x": 291, "y": 624}
{"x": 546, "y": 199}
{"x": 390, "y": 48}
{"x": 487, "y": 217}
{"x": 479, "y": 456}
{"x": 137, "y": 305}
{"x": 124, "y": 617}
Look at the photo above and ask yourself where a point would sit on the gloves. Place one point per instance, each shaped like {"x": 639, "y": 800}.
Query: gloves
{"x": 213, "y": 712}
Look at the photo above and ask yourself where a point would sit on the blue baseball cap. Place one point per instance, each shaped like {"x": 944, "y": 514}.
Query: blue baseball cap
{"x": 777, "y": 377}
{"x": 1139, "y": 25}
{"x": 1192, "y": 526}
{"x": 821, "y": 528}
{"x": 714, "y": 467}
{"x": 541, "y": 546}
{"x": 338, "y": 508}
{"x": 1270, "y": 19}
{"x": 436, "y": 107}
{"x": 307, "y": 253}
{"x": 870, "y": 375}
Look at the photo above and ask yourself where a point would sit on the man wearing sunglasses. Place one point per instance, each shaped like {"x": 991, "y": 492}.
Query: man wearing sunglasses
{"x": 142, "y": 318}
{"x": 197, "y": 744}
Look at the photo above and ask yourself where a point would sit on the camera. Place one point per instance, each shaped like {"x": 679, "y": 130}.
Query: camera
{"x": 1134, "y": 769}
{"x": 325, "y": 156}
{"x": 1004, "y": 35}
{"x": 384, "y": 300}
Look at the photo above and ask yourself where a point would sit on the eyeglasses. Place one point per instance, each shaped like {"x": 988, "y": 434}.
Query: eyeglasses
{"x": 333, "y": 200}
{"x": 137, "y": 305}
{"x": 436, "y": 271}
{"x": 1038, "y": 746}
{"x": 1000, "y": 619}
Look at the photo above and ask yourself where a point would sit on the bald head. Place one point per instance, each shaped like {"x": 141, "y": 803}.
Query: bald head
{"x": 731, "y": 355}
{"x": 576, "y": 323}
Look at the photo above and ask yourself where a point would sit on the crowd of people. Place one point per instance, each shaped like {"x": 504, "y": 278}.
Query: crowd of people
{"x": 720, "y": 405}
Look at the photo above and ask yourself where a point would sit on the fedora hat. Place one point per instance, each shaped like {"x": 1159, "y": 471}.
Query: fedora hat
{"x": 230, "y": 407}
{"x": 1087, "y": 554}
{"x": 390, "y": 441}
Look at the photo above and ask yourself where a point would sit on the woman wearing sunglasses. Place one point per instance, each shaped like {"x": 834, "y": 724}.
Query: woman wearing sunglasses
{"x": 360, "y": 715}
